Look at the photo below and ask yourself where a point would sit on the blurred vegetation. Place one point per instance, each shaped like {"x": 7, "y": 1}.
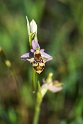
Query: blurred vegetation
{"x": 60, "y": 33}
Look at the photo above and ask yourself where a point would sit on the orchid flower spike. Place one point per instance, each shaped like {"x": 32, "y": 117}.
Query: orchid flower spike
{"x": 37, "y": 57}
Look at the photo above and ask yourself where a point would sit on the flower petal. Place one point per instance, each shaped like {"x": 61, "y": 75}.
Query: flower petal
{"x": 28, "y": 27}
{"x": 42, "y": 50}
{"x": 27, "y": 56}
{"x": 33, "y": 27}
{"x": 35, "y": 45}
{"x": 46, "y": 56}
{"x": 54, "y": 88}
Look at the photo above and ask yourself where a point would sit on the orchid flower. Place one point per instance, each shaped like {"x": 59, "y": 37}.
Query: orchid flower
{"x": 37, "y": 57}
{"x": 49, "y": 84}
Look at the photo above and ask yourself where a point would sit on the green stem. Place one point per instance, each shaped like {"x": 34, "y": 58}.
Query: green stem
{"x": 33, "y": 80}
{"x": 37, "y": 108}
{"x": 37, "y": 112}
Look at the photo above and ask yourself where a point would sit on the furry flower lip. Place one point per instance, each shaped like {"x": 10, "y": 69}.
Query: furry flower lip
{"x": 37, "y": 57}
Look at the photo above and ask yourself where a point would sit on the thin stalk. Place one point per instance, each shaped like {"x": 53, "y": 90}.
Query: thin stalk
{"x": 33, "y": 80}
{"x": 37, "y": 108}
{"x": 36, "y": 116}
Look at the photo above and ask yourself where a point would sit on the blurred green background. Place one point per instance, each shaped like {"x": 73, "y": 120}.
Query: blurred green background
{"x": 60, "y": 33}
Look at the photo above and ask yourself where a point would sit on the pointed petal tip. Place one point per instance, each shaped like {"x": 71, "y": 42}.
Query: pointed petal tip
{"x": 26, "y": 17}
{"x": 25, "y": 56}
{"x": 33, "y": 21}
{"x": 22, "y": 58}
{"x": 46, "y": 56}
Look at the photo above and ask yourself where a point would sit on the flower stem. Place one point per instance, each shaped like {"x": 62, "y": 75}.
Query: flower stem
{"x": 33, "y": 80}
{"x": 36, "y": 116}
{"x": 37, "y": 108}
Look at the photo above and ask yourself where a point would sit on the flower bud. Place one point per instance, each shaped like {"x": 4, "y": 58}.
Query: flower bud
{"x": 33, "y": 27}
